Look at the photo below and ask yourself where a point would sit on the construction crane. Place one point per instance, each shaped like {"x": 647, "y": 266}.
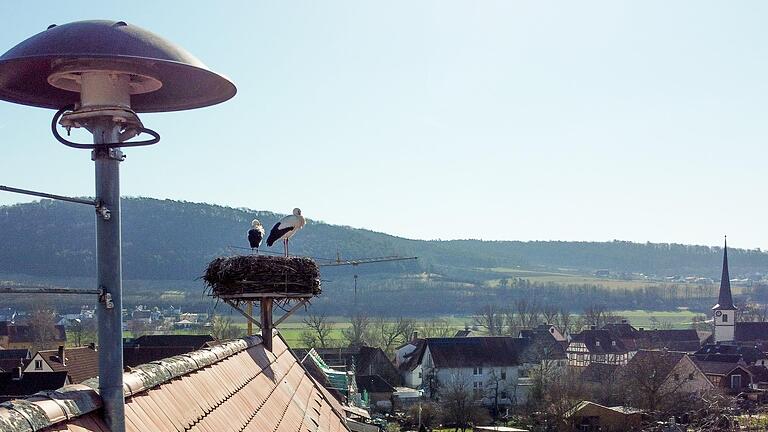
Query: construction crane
{"x": 356, "y": 262}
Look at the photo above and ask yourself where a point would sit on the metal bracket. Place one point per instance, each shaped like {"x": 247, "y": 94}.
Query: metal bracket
{"x": 103, "y": 211}
{"x": 106, "y": 298}
{"x": 107, "y": 153}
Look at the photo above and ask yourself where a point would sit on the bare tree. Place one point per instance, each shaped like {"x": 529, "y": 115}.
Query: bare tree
{"x": 528, "y": 313}
{"x": 436, "y": 327}
{"x": 556, "y": 395}
{"x": 222, "y": 328}
{"x": 550, "y": 314}
{"x": 752, "y": 312}
{"x": 83, "y": 331}
{"x": 490, "y": 318}
{"x": 599, "y": 315}
{"x": 358, "y": 333}
{"x": 138, "y": 327}
{"x": 42, "y": 326}
{"x": 457, "y": 402}
{"x": 565, "y": 321}
{"x": 319, "y": 330}
{"x": 653, "y": 382}
{"x": 389, "y": 333}
{"x": 511, "y": 323}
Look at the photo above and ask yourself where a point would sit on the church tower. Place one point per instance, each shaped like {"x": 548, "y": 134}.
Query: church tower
{"x": 724, "y": 312}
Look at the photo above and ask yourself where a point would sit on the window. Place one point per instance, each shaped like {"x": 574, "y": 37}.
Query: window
{"x": 613, "y": 343}
{"x": 735, "y": 380}
{"x": 477, "y": 371}
{"x": 503, "y": 374}
{"x": 38, "y": 365}
{"x": 725, "y": 317}
{"x": 677, "y": 377}
{"x": 597, "y": 343}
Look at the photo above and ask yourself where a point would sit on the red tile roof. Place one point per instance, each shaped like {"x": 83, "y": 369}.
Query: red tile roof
{"x": 80, "y": 363}
{"x": 235, "y": 386}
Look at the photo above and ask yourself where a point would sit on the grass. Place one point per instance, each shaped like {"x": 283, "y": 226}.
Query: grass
{"x": 564, "y": 278}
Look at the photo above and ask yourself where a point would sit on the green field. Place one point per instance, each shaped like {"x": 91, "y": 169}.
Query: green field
{"x": 565, "y": 278}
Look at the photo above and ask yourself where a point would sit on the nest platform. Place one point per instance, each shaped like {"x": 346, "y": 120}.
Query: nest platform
{"x": 250, "y": 277}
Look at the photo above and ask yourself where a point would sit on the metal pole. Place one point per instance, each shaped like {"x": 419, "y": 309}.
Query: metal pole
{"x": 47, "y": 195}
{"x": 109, "y": 274}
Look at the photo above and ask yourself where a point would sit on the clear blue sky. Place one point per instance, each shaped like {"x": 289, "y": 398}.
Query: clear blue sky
{"x": 644, "y": 120}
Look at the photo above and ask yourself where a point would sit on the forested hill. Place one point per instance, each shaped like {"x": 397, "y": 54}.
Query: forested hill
{"x": 164, "y": 239}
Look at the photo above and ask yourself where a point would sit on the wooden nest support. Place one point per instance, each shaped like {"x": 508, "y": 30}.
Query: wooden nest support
{"x": 253, "y": 276}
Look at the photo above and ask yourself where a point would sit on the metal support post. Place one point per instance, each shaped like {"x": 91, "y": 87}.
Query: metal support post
{"x": 266, "y": 323}
{"x": 109, "y": 274}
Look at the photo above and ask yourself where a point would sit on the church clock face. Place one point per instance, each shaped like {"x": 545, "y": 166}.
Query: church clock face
{"x": 718, "y": 313}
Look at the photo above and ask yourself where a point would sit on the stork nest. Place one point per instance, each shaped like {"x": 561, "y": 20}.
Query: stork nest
{"x": 259, "y": 274}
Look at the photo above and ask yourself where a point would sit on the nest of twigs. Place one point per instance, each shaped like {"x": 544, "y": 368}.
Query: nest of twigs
{"x": 259, "y": 274}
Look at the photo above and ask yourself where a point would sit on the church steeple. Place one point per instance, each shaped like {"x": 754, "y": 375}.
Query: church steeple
{"x": 724, "y": 312}
{"x": 725, "y": 300}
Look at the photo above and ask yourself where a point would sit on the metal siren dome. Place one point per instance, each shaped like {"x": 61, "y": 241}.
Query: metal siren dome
{"x": 46, "y": 69}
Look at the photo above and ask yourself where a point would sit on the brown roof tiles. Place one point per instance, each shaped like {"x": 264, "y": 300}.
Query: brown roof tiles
{"x": 236, "y": 386}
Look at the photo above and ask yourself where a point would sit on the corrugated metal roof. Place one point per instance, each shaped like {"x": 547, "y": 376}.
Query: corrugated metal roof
{"x": 236, "y": 386}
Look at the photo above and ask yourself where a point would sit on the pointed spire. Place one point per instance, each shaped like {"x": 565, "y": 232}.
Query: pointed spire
{"x": 725, "y": 300}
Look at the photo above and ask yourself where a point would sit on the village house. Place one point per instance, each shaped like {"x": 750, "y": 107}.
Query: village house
{"x": 79, "y": 363}
{"x": 750, "y": 355}
{"x": 376, "y": 390}
{"x": 634, "y": 339}
{"x": 12, "y": 358}
{"x": 492, "y": 368}
{"x": 13, "y": 336}
{"x": 363, "y": 360}
{"x": 407, "y": 362}
{"x": 596, "y": 346}
{"x": 16, "y": 384}
{"x": 665, "y": 372}
{"x": 733, "y": 378}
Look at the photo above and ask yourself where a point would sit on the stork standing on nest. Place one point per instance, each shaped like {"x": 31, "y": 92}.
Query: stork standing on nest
{"x": 286, "y": 228}
{"x": 255, "y": 234}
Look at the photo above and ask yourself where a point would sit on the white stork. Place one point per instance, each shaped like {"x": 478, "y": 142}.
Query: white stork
{"x": 286, "y": 228}
{"x": 255, "y": 234}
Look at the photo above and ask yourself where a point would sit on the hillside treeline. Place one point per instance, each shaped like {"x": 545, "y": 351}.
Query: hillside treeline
{"x": 165, "y": 239}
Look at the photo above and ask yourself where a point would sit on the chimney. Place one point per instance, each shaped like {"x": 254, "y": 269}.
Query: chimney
{"x": 640, "y": 329}
{"x": 62, "y": 359}
{"x": 415, "y": 335}
{"x": 17, "y": 373}
{"x": 624, "y": 321}
{"x": 592, "y": 327}
{"x": 92, "y": 346}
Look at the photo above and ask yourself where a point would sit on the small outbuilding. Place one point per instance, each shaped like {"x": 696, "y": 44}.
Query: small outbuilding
{"x": 589, "y": 416}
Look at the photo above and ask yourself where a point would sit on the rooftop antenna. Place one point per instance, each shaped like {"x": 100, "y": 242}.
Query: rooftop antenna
{"x": 98, "y": 75}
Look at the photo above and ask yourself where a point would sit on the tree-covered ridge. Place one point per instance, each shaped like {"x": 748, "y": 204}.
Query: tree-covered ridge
{"x": 166, "y": 239}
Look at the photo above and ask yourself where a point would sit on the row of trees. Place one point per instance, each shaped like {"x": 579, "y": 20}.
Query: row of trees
{"x": 385, "y": 333}
{"x": 524, "y": 314}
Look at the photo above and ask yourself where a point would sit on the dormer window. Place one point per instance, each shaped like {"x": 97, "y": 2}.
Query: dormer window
{"x": 613, "y": 343}
{"x": 597, "y": 343}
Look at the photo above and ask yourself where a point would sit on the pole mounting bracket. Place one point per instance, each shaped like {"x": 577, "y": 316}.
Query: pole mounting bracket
{"x": 106, "y": 298}
{"x": 103, "y": 211}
